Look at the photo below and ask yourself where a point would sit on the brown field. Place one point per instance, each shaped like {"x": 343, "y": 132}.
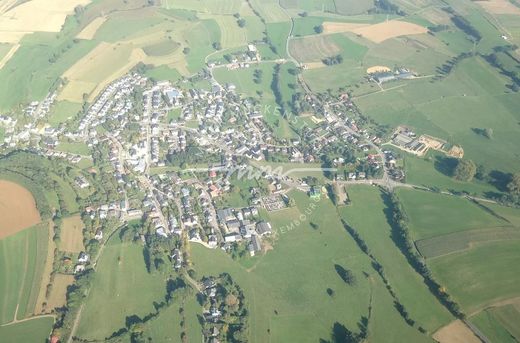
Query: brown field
{"x": 499, "y": 7}
{"x": 332, "y": 27}
{"x": 90, "y": 30}
{"x": 455, "y": 332}
{"x": 57, "y": 298}
{"x": 72, "y": 234}
{"x": 35, "y": 15}
{"x": 17, "y": 209}
{"x": 389, "y": 29}
{"x": 378, "y": 69}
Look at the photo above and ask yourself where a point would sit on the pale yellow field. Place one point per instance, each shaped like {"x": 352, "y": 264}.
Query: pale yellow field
{"x": 389, "y": 29}
{"x": 332, "y": 27}
{"x": 90, "y": 30}
{"x": 35, "y": 15}
{"x": 455, "y": 332}
{"x": 232, "y": 35}
{"x": 499, "y": 7}
{"x": 98, "y": 68}
{"x": 71, "y": 239}
{"x": 8, "y": 56}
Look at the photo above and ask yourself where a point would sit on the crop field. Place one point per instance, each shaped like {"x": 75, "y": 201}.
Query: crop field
{"x": 23, "y": 258}
{"x": 300, "y": 295}
{"x": 34, "y": 330}
{"x": 500, "y": 323}
{"x": 270, "y": 10}
{"x": 456, "y": 332}
{"x": 376, "y": 232}
{"x": 121, "y": 287}
{"x": 57, "y": 298}
{"x": 71, "y": 239}
{"x": 102, "y": 65}
{"x": 90, "y": 30}
{"x": 14, "y": 201}
{"x": 479, "y": 277}
{"x": 314, "y": 48}
{"x": 36, "y": 15}
{"x": 212, "y": 6}
{"x": 454, "y": 242}
{"x": 278, "y": 33}
{"x": 432, "y": 214}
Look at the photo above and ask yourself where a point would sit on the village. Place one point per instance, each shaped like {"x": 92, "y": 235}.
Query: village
{"x": 173, "y": 171}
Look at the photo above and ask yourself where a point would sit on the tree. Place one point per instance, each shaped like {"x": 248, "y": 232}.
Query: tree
{"x": 186, "y": 50}
{"x": 488, "y": 133}
{"x": 318, "y": 29}
{"x": 465, "y": 170}
{"x": 241, "y": 22}
{"x": 217, "y": 46}
{"x": 514, "y": 185}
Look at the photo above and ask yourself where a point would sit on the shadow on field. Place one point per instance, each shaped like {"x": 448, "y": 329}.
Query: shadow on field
{"x": 499, "y": 179}
{"x": 445, "y": 165}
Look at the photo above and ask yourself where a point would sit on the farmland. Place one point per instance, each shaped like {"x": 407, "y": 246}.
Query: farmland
{"x": 14, "y": 199}
{"x": 433, "y": 214}
{"x": 294, "y": 300}
{"x": 24, "y": 256}
{"x": 71, "y": 239}
{"x": 481, "y": 276}
{"x": 376, "y": 232}
{"x": 121, "y": 275}
{"x": 34, "y": 330}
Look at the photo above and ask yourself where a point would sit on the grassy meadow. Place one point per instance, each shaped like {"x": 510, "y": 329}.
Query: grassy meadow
{"x": 121, "y": 287}
{"x": 286, "y": 288}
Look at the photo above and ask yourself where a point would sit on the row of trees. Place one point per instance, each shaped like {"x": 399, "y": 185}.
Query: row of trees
{"x": 402, "y": 238}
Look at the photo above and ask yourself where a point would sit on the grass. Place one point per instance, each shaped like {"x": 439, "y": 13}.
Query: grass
{"x": 278, "y": 33}
{"x": 62, "y": 111}
{"x": 35, "y": 330}
{"x": 77, "y": 148}
{"x": 2, "y": 134}
{"x": 432, "y": 214}
{"x": 452, "y": 108}
{"x": 163, "y": 73}
{"x": 479, "y": 277}
{"x": 286, "y": 288}
{"x": 491, "y": 327}
{"x": 23, "y": 257}
{"x": 121, "y": 287}
{"x": 367, "y": 216}
{"x": 161, "y": 48}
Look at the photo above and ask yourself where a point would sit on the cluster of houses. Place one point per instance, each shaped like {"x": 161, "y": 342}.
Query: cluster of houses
{"x": 240, "y": 227}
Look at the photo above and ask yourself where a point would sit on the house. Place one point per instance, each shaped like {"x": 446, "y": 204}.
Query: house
{"x": 263, "y": 228}
{"x": 255, "y": 245}
{"x": 83, "y": 257}
{"x": 225, "y": 215}
{"x": 79, "y": 268}
{"x": 99, "y": 235}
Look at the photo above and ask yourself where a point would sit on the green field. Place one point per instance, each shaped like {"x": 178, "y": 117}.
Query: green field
{"x": 481, "y": 276}
{"x": 432, "y": 214}
{"x": 367, "y": 216}
{"x": 286, "y": 288}
{"x": 78, "y": 148}
{"x": 452, "y": 108}
{"x": 35, "y": 330}
{"x": 62, "y": 111}
{"x": 500, "y": 324}
{"x": 457, "y": 241}
{"x": 23, "y": 258}
{"x": 121, "y": 287}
